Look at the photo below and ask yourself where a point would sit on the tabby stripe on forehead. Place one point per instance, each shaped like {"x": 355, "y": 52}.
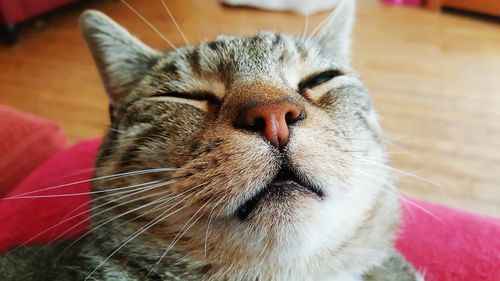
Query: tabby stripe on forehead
{"x": 277, "y": 40}
{"x": 171, "y": 68}
{"x": 301, "y": 49}
{"x": 215, "y": 45}
{"x": 194, "y": 60}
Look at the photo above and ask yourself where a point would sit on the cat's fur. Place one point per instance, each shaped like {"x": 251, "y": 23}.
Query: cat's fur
{"x": 178, "y": 110}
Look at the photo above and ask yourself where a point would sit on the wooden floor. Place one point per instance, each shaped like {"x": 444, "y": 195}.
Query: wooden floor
{"x": 435, "y": 79}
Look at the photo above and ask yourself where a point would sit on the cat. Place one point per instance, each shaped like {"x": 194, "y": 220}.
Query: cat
{"x": 243, "y": 158}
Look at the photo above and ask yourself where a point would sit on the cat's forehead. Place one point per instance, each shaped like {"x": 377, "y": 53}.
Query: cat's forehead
{"x": 276, "y": 57}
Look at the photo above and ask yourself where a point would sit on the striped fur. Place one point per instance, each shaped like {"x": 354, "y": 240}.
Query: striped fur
{"x": 177, "y": 109}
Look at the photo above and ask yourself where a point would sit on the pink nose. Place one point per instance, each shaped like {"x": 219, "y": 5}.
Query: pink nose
{"x": 272, "y": 120}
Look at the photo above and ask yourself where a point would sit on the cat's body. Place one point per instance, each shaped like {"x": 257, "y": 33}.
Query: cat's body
{"x": 259, "y": 158}
{"x": 48, "y": 264}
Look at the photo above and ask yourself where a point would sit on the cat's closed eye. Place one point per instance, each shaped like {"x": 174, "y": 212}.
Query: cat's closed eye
{"x": 199, "y": 96}
{"x": 206, "y": 101}
{"x": 318, "y": 79}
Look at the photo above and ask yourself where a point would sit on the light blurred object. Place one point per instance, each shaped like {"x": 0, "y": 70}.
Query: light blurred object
{"x": 403, "y": 2}
{"x": 305, "y": 7}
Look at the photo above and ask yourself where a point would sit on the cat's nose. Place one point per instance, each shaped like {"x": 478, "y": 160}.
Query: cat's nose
{"x": 272, "y": 120}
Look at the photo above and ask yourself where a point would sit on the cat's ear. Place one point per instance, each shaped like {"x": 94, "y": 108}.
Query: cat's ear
{"x": 335, "y": 32}
{"x": 121, "y": 58}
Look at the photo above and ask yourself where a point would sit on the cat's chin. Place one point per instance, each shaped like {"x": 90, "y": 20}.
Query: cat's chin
{"x": 285, "y": 189}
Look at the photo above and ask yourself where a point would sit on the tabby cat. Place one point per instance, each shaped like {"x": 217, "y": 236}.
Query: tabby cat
{"x": 245, "y": 158}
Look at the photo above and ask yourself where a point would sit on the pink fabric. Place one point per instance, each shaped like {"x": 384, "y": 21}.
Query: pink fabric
{"x": 26, "y": 141}
{"x": 444, "y": 244}
{"x": 29, "y": 220}
{"x": 448, "y": 244}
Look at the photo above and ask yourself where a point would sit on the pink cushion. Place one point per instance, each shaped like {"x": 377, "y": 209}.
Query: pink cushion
{"x": 447, "y": 244}
{"x": 25, "y": 142}
{"x": 29, "y": 220}
{"x": 444, "y": 244}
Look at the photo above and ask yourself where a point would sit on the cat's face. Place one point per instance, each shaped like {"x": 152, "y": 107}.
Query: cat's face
{"x": 270, "y": 138}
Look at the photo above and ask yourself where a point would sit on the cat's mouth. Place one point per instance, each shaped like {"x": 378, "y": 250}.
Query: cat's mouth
{"x": 282, "y": 186}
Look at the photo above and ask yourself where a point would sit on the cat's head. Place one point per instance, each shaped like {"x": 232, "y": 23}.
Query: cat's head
{"x": 261, "y": 152}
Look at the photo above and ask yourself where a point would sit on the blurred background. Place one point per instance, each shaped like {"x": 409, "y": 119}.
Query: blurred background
{"x": 433, "y": 69}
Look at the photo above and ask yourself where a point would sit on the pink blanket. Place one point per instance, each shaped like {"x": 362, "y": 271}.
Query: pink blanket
{"x": 444, "y": 244}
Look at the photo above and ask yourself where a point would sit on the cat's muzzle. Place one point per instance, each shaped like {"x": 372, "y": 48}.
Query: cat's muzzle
{"x": 282, "y": 186}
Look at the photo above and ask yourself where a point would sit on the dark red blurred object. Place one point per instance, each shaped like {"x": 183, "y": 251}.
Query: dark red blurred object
{"x": 16, "y": 11}
{"x": 444, "y": 244}
{"x": 13, "y": 12}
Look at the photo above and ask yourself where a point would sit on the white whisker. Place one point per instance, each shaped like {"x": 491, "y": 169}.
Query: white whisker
{"x": 81, "y": 193}
{"x": 93, "y": 215}
{"x": 321, "y": 24}
{"x": 306, "y": 26}
{"x": 421, "y": 208}
{"x": 181, "y": 232}
{"x": 210, "y": 216}
{"x": 375, "y": 163}
{"x": 175, "y": 22}
{"x": 381, "y": 187}
{"x": 114, "y": 176}
{"x": 134, "y": 235}
{"x": 149, "y": 24}
{"x": 164, "y": 201}
{"x": 161, "y": 204}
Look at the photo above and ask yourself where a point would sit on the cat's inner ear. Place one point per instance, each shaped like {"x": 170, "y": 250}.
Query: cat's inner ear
{"x": 335, "y": 32}
{"x": 121, "y": 58}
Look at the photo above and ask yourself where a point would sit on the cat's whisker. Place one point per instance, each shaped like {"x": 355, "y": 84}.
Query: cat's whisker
{"x": 393, "y": 143}
{"x": 137, "y": 199}
{"x": 149, "y": 24}
{"x": 306, "y": 26}
{"x": 83, "y": 193}
{"x": 180, "y": 233}
{"x": 162, "y": 216}
{"x": 114, "y": 194}
{"x": 260, "y": 256}
{"x": 163, "y": 198}
{"x": 175, "y": 22}
{"x": 93, "y": 215}
{"x": 118, "y": 131}
{"x": 321, "y": 24}
{"x": 161, "y": 203}
{"x": 154, "y": 186}
{"x": 114, "y": 176}
{"x": 375, "y": 163}
{"x": 210, "y": 216}
{"x": 134, "y": 235}
{"x": 137, "y": 172}
{"x": 261, "y": 238}
{"x": 405, "y": 200}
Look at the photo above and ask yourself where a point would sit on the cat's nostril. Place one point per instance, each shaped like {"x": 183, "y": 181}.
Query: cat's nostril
{"x": 258, "y": 124}
{"x": 272, "y": 120}
{"x": 294, "y": 116}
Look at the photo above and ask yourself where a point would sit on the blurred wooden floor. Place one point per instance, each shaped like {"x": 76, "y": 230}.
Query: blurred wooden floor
{"x": 435, "y": 79}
